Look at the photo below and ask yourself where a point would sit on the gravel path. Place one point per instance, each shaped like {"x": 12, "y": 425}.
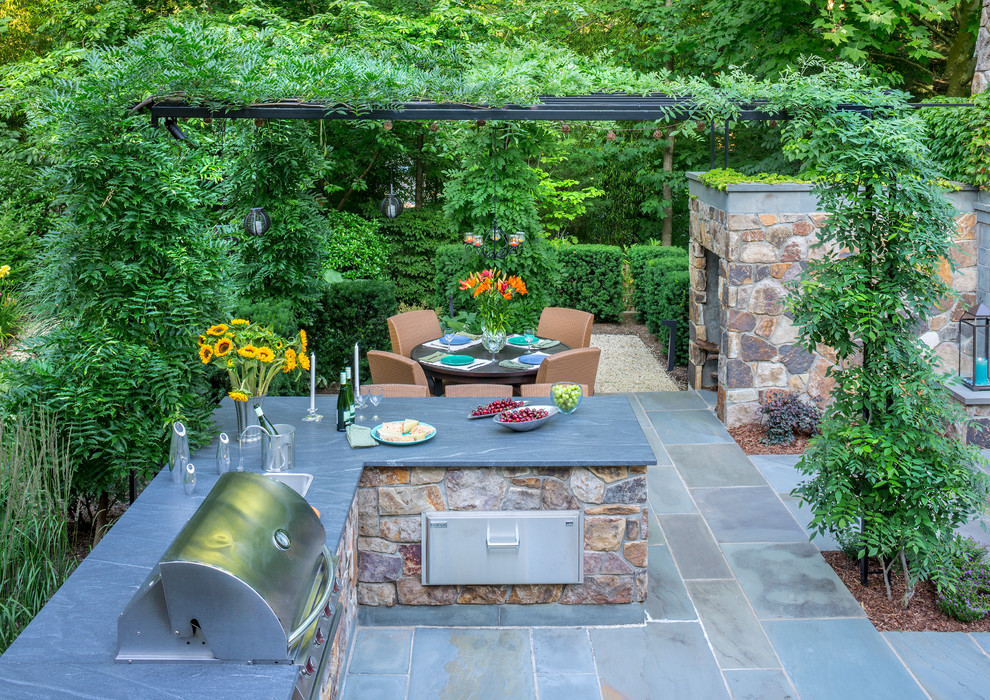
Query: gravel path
{"x": 627, "y": 365}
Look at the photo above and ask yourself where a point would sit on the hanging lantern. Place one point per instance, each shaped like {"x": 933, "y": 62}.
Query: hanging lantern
{"x": 391, "y": 206}
{"x": 657, "y": 134}
{"x": 259, "y": 123}
{"x": 257, "y": 222}
{"x": 974, "y": 347}
{"x": 387, "y": 125}
{"x": 610, "y": 135}
{"x": 434, "y": 127}
{"x": 565, "y": 128}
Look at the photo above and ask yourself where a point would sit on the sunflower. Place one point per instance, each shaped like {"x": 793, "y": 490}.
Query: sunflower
{"x": 303, "y": 361}
{"x": 4, "y": 271}
{"x": 206, "y": 353}
{"x": 217, "y": 330}
{"x": 265, "y": 354}
{"x": 279, "y": 344}
{"x": 223, "y": 346}
{"x": 302, "y": 340}
{"x": 248, "y": 351}
{"x": 239, "y": 322}
{"x": 238, "y": 396}
{"x": 290, "y": 361}
{"x": 202, "y": 340}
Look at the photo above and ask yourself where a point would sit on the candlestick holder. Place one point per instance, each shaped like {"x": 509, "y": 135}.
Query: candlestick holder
{"x": 312, "y": 416}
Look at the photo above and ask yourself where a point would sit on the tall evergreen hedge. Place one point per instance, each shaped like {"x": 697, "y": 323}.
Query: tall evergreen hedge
{"x": 664, "y": 285}
{"x": 353, "y": 311}
{"x": 638, "y": 256}
{"x": 591, "y": 280}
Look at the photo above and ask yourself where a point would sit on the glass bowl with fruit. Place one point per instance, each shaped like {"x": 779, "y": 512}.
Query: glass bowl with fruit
{"x": 526, "y": 418}
{"x": 566, "y": 396}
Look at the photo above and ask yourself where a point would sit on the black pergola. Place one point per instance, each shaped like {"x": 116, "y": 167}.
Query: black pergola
{"x": 592, "y": 107}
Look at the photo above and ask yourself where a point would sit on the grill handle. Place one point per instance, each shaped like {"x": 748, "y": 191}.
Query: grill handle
{"x": 317, "y": 610}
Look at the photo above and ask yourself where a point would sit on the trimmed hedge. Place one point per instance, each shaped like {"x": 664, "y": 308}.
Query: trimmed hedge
{"x": 414, "y": 238}
{"x": 353, "y": 311}
{"x": 664, "y": 285}
{"x": 638, "y": 256}
{"x": 591, "y": 280}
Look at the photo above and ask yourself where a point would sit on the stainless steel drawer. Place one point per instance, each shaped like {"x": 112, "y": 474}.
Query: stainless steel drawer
{"x": 494, "y": 547}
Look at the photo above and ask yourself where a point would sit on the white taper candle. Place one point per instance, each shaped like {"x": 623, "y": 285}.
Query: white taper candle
{"x": 312, "y": 382}
{"x": 357, "y": 359}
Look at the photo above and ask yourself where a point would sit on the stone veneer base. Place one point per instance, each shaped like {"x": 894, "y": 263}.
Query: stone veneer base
{"x": 390, "y": 501}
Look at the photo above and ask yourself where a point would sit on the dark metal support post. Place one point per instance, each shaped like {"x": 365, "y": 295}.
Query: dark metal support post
{"x": 671, "y": 342}
{"x": 725, "y": 143}
{"x": 711, "y": 146}
{"x": 864, "y": 562}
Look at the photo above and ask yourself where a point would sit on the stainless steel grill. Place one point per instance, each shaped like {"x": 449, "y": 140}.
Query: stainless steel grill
{"x": 249, "y": 578}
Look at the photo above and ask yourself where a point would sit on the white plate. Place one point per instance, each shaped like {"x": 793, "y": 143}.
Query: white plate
{"x": 375, "y": 434}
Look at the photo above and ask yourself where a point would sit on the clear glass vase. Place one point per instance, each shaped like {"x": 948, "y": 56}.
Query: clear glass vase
{"x": 493, "y": 339}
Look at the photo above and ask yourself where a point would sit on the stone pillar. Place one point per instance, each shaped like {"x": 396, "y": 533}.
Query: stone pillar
{"x": 981, "y": 76}
{"x": 764, "y": 235}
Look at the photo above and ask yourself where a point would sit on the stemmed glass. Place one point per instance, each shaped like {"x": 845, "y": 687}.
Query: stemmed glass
{"x": 360, "y": 402}
{"x": 448, "y": 334}
{"x": 375, "y": 400}
{"x": 529, "y": 335}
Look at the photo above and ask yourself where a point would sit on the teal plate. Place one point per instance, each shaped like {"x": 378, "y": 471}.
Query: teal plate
{"x": 456, "y": 360}
{"x": 520, "y": 340}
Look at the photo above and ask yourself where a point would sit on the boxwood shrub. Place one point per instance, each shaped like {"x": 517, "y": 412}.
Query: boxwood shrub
{"x": 638, "y": 256}
{"x": 414, "y": 238}
{"x": 591, "y": 280}
{"x": 353, "y": 311}
{"x": 664, "y": 285}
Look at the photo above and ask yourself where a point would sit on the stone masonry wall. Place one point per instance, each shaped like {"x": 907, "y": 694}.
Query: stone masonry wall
{"x": 347, "y": 607}
{"x": 390, "y": 501}
{"x": 760, "y": 253}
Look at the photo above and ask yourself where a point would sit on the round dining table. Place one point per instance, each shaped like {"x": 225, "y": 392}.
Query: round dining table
{"x": 492, "y": 373}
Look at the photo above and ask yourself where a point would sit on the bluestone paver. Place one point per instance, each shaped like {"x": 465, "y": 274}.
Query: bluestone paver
{"x": 562, "y": 650}
{"x": 694, "y": 549}
{"x": 689, "y": 428}
{"x": 667, "y": 598}
{"x": 715, "y": 465}
{"x": 759, "y": 684}
{"x": 747, "y": 514}
{"x": 375, "y": 688}
{"x": 840, "y": 659}
{"x": 568, "y": 686}
{"x": 658, "y": 660}
{"x": 667, "y": 493}
{"x": 950, "y": 666}
{"x": 381, "y": 650}
{"x": 733, "y": 630}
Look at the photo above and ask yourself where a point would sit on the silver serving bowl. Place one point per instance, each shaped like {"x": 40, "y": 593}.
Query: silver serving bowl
{"x": 530, "y": 424}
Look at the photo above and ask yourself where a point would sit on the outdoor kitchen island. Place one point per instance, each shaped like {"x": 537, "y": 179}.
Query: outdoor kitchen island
{"x": 593, "y": 461}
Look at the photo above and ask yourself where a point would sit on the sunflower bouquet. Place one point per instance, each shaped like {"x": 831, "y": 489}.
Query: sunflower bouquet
{"x": 252, "y": 355}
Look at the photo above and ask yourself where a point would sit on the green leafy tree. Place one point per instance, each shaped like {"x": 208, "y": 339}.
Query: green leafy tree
{"x": 884, "y": 454}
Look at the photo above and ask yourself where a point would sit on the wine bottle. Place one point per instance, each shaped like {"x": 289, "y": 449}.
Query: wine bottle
{"x": 263, "y": 420}
{"x": 350, "y": 397}
{"x": 342, "y": 404}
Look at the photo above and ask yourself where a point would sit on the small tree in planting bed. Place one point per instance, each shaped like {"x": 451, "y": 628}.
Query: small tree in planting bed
{"x": 884, "y": 454}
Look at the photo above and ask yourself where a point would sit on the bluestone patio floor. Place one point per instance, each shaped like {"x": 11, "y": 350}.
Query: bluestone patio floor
{"x": 741, "y": 605}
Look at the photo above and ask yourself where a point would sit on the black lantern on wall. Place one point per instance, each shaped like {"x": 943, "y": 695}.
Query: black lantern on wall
{"x": 974, "y": 347}
{"x": 257, "y": 222}
{"x": 391, "y": 206}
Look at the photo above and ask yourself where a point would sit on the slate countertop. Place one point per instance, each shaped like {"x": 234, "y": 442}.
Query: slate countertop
{"x": 69, "y": 648}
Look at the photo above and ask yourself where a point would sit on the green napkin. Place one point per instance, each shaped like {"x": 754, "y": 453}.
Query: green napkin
{"x": 512, "y": 364}
{"x": 472, "y": 336}
{"x": 434, "y": 357}
{"x": 545, "y": 343}
{"x": 359, "y": 436}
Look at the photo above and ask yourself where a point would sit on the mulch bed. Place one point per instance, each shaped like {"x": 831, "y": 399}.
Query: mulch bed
{"x": 886, "y": 615}
{"x": 658, "y": 350}
{"x": 750, "y": 439}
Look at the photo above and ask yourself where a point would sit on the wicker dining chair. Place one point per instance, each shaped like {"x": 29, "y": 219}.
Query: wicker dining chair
{"x": 579, "y": 366}
{"x": 412, "y": 328}
{"x": 569, "y": 326}
{"x": 389, "y": 368}
{"x": 396, "y": 390}
{"x": 540, "y": 390}
{"x": 498, "y": 391}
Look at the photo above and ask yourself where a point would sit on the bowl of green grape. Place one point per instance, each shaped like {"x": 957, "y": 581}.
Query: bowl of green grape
{"x": 566, "y": 396}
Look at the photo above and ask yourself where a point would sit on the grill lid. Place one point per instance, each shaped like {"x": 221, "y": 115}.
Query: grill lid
{"x": 234, "y": 582}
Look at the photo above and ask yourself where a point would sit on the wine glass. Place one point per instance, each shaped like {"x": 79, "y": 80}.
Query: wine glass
{"x": 448, "y": 334}
{"x": 375, "y": 400}
{"x": 529, "y": 335}
{"x": 360, "y": 402}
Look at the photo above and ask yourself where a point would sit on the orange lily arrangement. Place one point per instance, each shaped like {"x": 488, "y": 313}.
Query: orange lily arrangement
{"x": 493, "y": 290}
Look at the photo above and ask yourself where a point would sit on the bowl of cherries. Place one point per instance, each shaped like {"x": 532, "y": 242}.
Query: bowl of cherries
{"x": 526, "y": 418}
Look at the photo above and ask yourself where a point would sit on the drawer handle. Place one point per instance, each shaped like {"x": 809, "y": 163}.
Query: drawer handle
{"x": 502, "y": 544}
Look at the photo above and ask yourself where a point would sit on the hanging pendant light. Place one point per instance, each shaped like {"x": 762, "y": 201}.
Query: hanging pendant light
{"x": 257, "y": 222}
{"x": 391, "y": 206}
{"x": 494, "y": 245}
